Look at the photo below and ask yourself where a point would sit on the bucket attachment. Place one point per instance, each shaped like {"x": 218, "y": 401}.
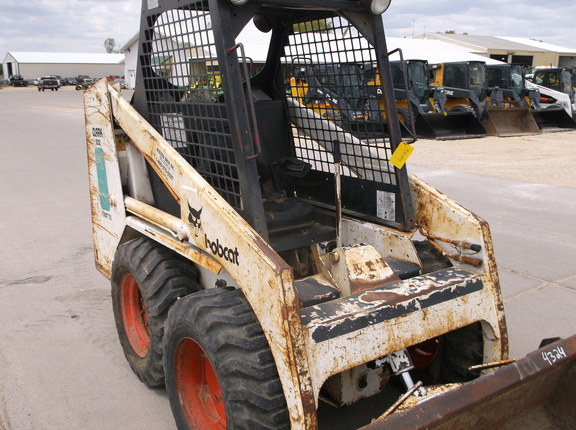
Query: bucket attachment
{"x": 513, "y": 121}
{"x": 367, "y": 130}
{"x": 553, "y": 119}
{"x": 454, "y": 125}
{"x": 535, "y": 392}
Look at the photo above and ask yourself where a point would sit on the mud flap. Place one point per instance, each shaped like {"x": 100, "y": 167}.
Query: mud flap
{"x": 553, "y": 120}
{"x": 533, "y": 393}
{"x": 515, "y": 121}
{"x": 455, "y": 125}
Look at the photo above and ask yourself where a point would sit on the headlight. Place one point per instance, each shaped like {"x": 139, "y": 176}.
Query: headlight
{"x": 378, "y": 7}
{"x": 238, "y": 2}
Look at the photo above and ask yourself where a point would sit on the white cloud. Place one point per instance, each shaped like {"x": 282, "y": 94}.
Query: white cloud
{"x": 84, "y": 25}
{"x": 550, "y": 22}
{"x": 67, "y": 25}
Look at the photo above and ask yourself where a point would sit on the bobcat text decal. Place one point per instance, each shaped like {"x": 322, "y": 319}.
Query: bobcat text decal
{"x": 228, "y": 254}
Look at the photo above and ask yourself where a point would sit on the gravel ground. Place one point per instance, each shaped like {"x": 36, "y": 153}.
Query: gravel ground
{"x": 547, "y": 158}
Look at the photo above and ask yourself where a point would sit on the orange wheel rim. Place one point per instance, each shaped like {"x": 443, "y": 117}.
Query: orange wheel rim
{"x": 423, "y": 354}
{"x": 198, "y": 387}
{"x": 134, "y": 315}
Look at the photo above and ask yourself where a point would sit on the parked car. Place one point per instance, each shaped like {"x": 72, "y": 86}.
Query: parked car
{"x": 48, "y": 82}
{"x": 84, "y": 79}
{"x": 69, "y": 81}
{"x": 18, "y": 81}
{"x": 116, "y": 78}
{"x": 59, "y": 79}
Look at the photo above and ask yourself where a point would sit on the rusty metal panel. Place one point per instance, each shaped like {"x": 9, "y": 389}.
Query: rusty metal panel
{"x": 361, "y": 339}
{"x": 387, "y": 241}
{"x": 346, "y": 315}
{"x": 358, "y": 268}
{"x": 103, "y": 177}
{"x": 439, "y": 215}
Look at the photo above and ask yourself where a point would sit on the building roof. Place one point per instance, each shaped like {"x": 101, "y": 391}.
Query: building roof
{"x": 541, "y": 45}
{"x": 484, "y": 43}
{"x": 480, "y": 43}
{"x": 132, "y": 41}
{"x": 434, "y": 51}
{"x": 65, "y": 58}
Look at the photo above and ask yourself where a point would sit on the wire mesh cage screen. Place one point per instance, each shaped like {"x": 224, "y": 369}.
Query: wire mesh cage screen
{"x": 187, "y": 101}
{"x": 334, "y": 55}
{"x": 184, "y": 95}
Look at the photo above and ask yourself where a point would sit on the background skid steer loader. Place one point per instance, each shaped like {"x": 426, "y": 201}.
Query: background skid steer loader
{"x": 428, "y": 104}
{"x": 262, "y": 258}
{"x": 557, "y": 96}
{"x": 510, "y": 82}
{"x": 338, "y": 93}
{"x": 466, "y": 87}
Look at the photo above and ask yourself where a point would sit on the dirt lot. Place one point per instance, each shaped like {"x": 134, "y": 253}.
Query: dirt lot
{"x": 548, "y": 158}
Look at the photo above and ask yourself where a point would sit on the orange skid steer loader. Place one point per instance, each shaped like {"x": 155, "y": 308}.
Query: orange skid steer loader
{"x": 263, "y": 260}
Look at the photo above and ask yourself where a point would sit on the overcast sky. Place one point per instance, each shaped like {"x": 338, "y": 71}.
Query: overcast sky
{"x": 84, "y": 25}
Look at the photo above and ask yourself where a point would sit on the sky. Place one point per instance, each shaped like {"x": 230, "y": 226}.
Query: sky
{"x": 84, "y": 25}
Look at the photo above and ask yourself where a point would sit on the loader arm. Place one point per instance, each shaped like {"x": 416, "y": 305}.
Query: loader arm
{"x": 227, "y": 243}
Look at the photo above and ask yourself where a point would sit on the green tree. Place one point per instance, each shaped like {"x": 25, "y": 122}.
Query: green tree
{"x": 451, "y": 32}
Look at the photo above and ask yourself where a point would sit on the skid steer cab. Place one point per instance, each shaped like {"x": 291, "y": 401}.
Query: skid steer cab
{"x": 263, "y": 259}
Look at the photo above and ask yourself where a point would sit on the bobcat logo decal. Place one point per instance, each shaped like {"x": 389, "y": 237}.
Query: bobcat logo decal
{"x": 194, "y": 217}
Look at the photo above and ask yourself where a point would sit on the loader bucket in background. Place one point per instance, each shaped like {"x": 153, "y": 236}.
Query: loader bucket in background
{"x": 364, "y": 130}
{"x": 553, "y": 120}
{"x": 455, "y": 125}
{"x": 509, "y": 122}
{"x": 536, "y": 392}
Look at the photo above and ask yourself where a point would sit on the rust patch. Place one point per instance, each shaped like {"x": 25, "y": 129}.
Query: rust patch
{"x": 358, "y": 285}
{"x": 382, "y": 296}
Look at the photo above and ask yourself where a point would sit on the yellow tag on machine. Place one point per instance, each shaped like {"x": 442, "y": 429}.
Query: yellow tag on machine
{"x": 401, "y": 155}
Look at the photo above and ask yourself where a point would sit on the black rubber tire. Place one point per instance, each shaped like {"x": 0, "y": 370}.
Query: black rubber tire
{"x": 459, "y": 349}
{"x": 161, "y": 278}
{"x": 463, "y": 108}
{"x": 404, "y": 116}
{"x": 247, "y": 389}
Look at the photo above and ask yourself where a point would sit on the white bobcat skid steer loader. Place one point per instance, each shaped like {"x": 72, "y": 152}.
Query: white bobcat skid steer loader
{"x": 262, "y": 258}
